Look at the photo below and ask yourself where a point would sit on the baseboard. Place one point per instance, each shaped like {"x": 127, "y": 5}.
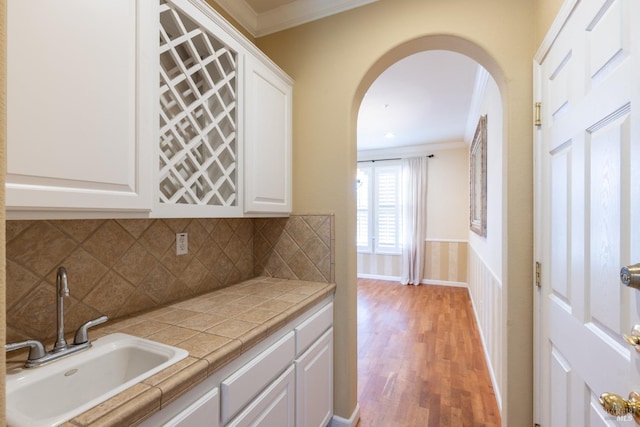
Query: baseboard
{"x": 337, "y": 421}
{"x": 379, "y": 277}
{"x": 444, "y": 283}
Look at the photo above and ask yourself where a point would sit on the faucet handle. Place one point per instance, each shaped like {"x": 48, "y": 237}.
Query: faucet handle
{"x": 82, "y": 335}
{"x": 37, "y": 349}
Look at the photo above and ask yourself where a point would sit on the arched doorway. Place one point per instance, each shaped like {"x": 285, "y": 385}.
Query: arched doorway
{"x": 486, "y": 262}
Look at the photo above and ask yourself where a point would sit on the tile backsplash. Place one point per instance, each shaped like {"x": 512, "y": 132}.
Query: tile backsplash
{"x": 120, "y": 266}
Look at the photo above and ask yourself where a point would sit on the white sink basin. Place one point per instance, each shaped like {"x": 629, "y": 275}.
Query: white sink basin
{"x": 54, "y": 393}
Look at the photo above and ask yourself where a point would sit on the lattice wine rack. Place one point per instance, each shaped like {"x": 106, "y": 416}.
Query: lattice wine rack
{"x": 198, "y": 114}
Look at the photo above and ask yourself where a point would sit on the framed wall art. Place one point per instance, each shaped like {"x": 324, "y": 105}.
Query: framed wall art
{"x": 478, "y": 179}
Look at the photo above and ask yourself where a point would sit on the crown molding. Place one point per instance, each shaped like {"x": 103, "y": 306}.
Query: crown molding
{"x": 482, "y": 78}
{"x": 286, "y": 16}
{"x": 409, "y": 150}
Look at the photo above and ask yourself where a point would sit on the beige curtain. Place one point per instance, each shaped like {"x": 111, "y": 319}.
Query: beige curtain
{"x": 414, "y": 219}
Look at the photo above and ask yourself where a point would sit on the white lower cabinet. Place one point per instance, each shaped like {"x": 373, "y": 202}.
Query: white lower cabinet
{"x": 199, "y": 407}
{"x": 274, "y": 407}
{"x": 204, "y": 412}
{"x": 314, "y": 383}
{"x": 239, "y": 388}
{"x": 284, "y": 381}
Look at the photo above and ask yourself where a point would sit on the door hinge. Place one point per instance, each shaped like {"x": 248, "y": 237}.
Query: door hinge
{"x": 537, "y": 121}
{"x": 538, "y": 274}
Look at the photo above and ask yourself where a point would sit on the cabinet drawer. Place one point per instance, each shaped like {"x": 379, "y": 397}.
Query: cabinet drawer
{"x": 247, "y": 382}
{"x": 274, "y": 407}
{"x": 309, "y": 330}
{"x": 203, "y": 412}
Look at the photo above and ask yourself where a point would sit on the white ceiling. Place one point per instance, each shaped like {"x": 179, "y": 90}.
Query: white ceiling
{"x": 429, "y": 100}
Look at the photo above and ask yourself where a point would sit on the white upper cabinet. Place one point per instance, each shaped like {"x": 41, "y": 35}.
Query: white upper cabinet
{"x": 81, "y": 116}
{"x": 141, "y": 108}
{"x": 268, "y": 101}
{"x": 199, "y": 157}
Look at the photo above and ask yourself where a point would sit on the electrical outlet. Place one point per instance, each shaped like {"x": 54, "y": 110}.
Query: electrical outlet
{"x": 182, "y": 244}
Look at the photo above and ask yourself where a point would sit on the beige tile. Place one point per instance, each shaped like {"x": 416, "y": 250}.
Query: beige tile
{"x": 207, "y": 223}
{"x": 232, "y": 328}
{"x": 202, "y": 344}
{"x": 304, "y": 268}
{"x": 222, "y": 233}
{"x": 257, "y": 315}
{"x": 79, "y": 230}
{"x": 291, "y": 297}
{"x": 134, "y": 403}
{"x": 202, "y": 321}
{"x": 108, "y": 243}
{"x": 135, "y": 264}
{"x": 178, "y": 378}
{"x": 84, "y": 272}
{"x": 19, "y": 281}
{"x": 204, "y": 305}
{"x": 172, "y": 335}
{"x": 250, "y": 301}
{"x": 40, "y": 247}
{"x": 299, "y": 230}
{"x": 223, "y": 355}
{"x": 277, "y": 322}
{"x": 157, "y": 238}
{"x": 286, "y": 247}
{"x": 177, "y": 225}
{"x": 316, "y": 250}
{"x": 277, "y": 306}
{"x": 137, "y": 301}
{"x": 253, "y": 336}
{"x": 229, "y": 310}
{"x": 144, "y": 329}
{"x": 35, "y": 314}
{"x": 161, "y": 286}
{"x": 110, "y": 294}
{"x": 306, "y": 288}
{"x": 115, "y": 325}
{"x": 174, "y": 316}
{"x": 135, "y": 227}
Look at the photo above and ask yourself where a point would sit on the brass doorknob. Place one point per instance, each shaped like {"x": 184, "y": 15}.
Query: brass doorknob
{"x": 634, "y": 338}
{"x": 615, "y": 405}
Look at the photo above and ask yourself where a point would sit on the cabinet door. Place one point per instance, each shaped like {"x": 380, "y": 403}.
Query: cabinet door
{"x": 80, "y": 112}
{"x": 199, "y": 156}
{"x": 267, "y": 140}
{"x": 314, "y": 383}
{"x": 274, "y": 407}
{"x": 205, "y": 412}
{"x": 239, "y": 388}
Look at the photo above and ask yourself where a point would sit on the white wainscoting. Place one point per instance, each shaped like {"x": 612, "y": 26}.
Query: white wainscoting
{"x": 445, "y": 263}
{"x": 487, "y": 297}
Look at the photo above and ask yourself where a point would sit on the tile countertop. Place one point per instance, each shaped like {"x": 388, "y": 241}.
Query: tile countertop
{"x": 214, "y": 328}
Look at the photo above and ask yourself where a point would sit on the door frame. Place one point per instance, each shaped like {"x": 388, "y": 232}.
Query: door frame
{"x": 540, "y": 341}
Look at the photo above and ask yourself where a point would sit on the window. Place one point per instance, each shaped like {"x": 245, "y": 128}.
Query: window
{"x": 379, "y": 208}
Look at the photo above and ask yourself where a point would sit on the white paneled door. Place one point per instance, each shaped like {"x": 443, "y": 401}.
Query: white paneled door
{"x": 588, "y": 212}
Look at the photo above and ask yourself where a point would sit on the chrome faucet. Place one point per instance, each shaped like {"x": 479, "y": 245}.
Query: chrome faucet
{"x": 62, "y": 291}
{"x": 38, "y": 355}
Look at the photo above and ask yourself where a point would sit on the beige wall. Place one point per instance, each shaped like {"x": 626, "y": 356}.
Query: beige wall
{"x": 329, "y": 59}
{"x": 333, "y": 61}
{"x": 448, "y": 195}
{"x": 447, "y": 220}
{"x": 546, "y": 11}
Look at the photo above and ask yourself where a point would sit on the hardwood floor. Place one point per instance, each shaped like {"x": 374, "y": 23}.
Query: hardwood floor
{"x": 420, "y": 359}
